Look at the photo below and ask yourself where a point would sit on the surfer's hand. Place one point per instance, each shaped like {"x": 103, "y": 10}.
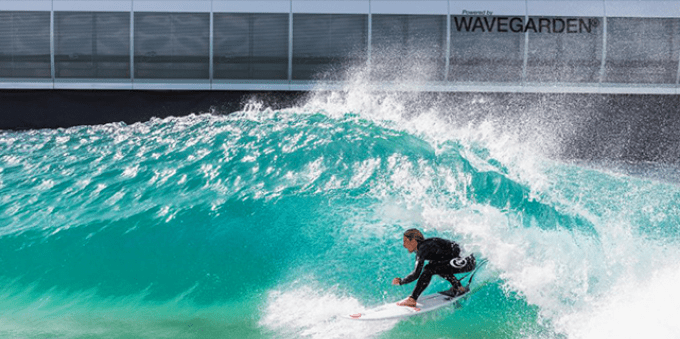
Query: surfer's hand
{"x": 396, "y": 281}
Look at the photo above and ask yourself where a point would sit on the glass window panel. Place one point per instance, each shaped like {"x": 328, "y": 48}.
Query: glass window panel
{"x": 485, "y": 56}
{"x": 250, "y": 46}
{"x": 172, "y": 45}
{"x": 25, "y": 45}
{"x": 642, "y": 50}
{"x": 92, "y": 45}
{"x": 558, "y": 54}
{"x": 408, "y": 47}
{"x": 324, "y": 45}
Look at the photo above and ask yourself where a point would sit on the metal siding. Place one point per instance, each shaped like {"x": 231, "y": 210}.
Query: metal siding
{"x": 324, "y": 45}
{"x": 565, "y": 57}
{"x": 251, "y": 46}
{"x": 642, "y": 50}
{"x": 172, "y": 45}
{"x": 25, "y": 45}
{"x": 92, "y": 45}
{"x": 408, "y": 47}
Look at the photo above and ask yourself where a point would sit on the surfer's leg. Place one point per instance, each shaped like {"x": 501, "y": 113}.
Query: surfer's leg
{"x": 423, "y": 281}
{"x": 446, "y": 271}
{"x": 457, "y": 265}
{"x": 455, "y": 283}
{"x": 456, "y": 287}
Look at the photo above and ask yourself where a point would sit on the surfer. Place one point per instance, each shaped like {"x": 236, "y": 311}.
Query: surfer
{"x": 444, "y": 260}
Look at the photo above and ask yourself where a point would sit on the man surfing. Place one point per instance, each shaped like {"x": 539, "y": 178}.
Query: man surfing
{"x": 444, "y": 260}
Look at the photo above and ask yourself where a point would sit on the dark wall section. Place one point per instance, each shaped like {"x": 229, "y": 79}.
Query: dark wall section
{"x": 31, "y": 109}
{"x": 621, "y": 127}
{"x": 632, "y": 127}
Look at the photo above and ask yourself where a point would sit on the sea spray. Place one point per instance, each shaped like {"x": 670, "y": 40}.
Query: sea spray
{"x": 266, "y": 223}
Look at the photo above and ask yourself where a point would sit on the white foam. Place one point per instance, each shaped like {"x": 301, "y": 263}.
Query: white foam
{"x": 306, "y": 312}
{"x": 579, "y": 279}
{"x": 634, "y": 308}
{"x": 586, "y": 285}
{"x": 613, "y": 284}
{"x": 363, "y": 171}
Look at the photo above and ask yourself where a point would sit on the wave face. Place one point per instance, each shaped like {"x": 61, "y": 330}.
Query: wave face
{"x": 271, "y": 223}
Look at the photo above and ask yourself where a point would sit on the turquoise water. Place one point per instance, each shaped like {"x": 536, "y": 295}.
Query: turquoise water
{"x": 271, "y": 224}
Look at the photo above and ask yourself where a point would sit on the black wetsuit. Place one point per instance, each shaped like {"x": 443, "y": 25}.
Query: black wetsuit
{"x": 443, "y": 256}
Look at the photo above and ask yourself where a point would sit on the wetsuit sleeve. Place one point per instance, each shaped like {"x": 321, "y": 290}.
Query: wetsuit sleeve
{"x": 416, "y": 272}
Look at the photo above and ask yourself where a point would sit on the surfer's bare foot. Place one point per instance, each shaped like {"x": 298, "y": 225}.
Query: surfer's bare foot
{"x": 410, "y": 302}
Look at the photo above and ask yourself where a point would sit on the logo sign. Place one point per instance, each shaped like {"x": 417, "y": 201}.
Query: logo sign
{"x": 482, "y": 21}
{"x": 458, "y": 262}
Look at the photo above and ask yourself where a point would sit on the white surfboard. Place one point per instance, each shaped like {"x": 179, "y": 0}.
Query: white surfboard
{"x": 425, "y": 304}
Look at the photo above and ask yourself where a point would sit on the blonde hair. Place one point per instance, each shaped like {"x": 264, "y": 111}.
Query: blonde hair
{"x": 414, "y": 234}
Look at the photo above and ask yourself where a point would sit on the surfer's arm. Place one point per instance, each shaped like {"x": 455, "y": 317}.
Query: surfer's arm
{"x": 416, "y": 272}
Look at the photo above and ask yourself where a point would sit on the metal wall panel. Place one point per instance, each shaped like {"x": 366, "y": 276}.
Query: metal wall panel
{"x": 250, "y": 6}
{"x": 408, "y": 46}
{"x": 326, "y": 44}
{"x": 642, "y": 8}
{"x": 480, "y": 55}
{"x": 172, "y": 45}
{"x": 561, "y": 8}
{"x": 492, "y": 7}
{"x": 565, "y": 50}
{"x": 410, "y": 7}
{"x": 256, "y": 43}
{"x": 92, "y": 44}
{"x": 172, "y": 6}
{"x": 331, "y": 6}
{"x": 25, "y": 45}
{"x": 250, "y": 46}
{"x": 92, "y": 5}
{"x": 642, "y": 50}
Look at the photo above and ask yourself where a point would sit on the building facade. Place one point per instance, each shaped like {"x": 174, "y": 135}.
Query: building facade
{"x": 587, "y": 46}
